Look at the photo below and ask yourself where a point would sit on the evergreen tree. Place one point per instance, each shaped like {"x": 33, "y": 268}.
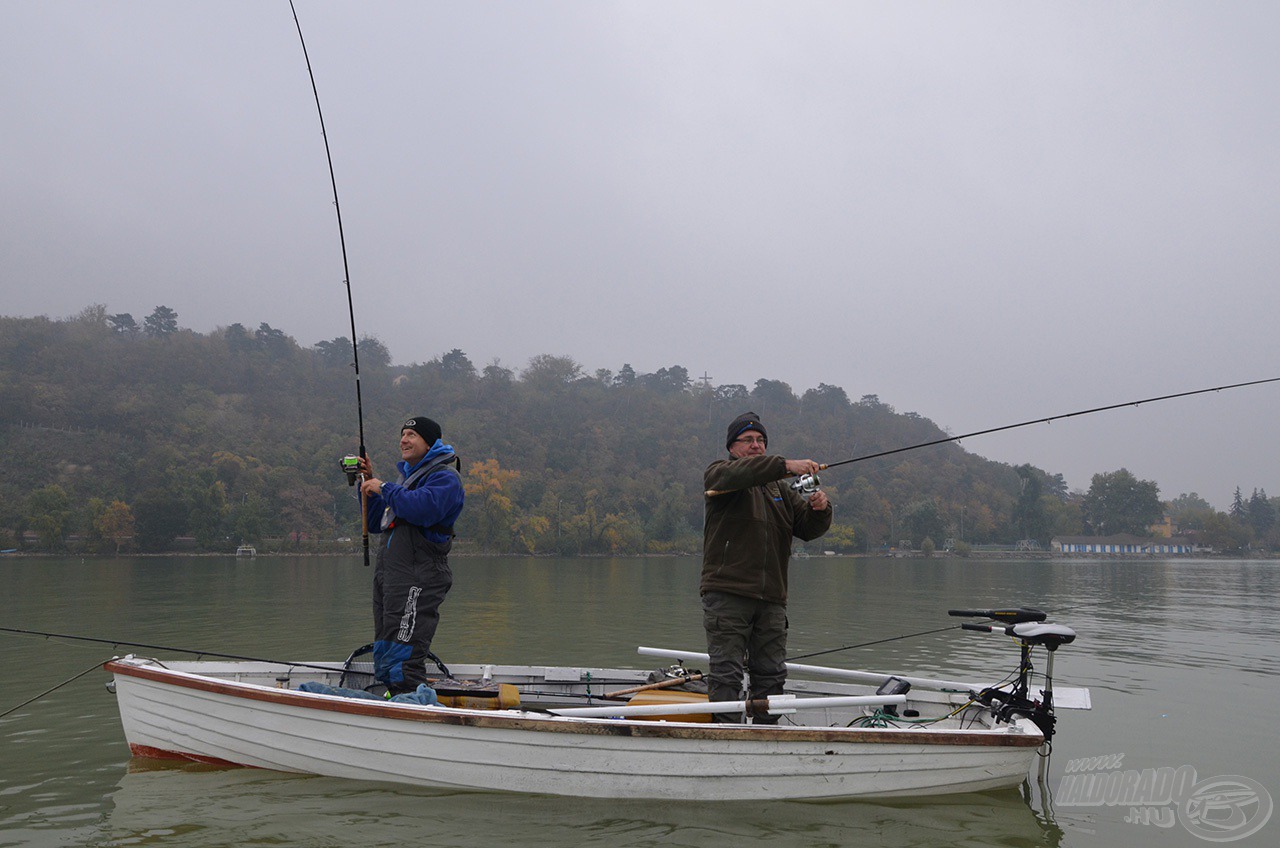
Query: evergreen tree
{"x": 161, "y": 323}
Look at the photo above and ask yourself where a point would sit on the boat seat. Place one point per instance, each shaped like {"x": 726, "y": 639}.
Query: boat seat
{"x": 1051, "y": 636}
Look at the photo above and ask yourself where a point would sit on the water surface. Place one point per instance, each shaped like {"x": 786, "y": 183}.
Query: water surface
{"x": 1181, "y": 657}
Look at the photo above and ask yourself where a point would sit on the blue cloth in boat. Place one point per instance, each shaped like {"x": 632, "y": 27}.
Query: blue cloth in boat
{"x": 326, "y": 689}
{"x": 424, "y": 695}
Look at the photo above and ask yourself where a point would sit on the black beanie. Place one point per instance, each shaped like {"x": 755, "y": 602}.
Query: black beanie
{"x": 424, "y": 427}
{"x": 744, "y": 422}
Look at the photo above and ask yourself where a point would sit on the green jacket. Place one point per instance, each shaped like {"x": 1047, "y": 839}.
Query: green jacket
{"x": 746, "y": 541}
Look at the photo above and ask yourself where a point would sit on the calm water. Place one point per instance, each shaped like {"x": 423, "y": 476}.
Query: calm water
{"x": 1181, "y": 658}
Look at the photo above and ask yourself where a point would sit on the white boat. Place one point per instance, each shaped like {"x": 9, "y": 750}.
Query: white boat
{"x": 837, "y": 737}
{"x": 246, "y": 551}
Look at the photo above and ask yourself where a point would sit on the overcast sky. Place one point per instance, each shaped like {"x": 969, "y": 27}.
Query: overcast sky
{"x": 981, "y": 212}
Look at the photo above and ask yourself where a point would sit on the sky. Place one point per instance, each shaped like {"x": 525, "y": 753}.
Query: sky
{"x": 984, "y": 212}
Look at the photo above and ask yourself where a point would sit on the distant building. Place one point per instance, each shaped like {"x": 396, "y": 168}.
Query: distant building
{"x": 1122, "y": 543}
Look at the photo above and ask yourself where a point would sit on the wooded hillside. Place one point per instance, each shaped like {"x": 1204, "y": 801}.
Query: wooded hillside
{"x": 122, "y": 436}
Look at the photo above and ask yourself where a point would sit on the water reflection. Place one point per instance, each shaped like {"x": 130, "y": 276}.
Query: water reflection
{"x": 203, "y": 807}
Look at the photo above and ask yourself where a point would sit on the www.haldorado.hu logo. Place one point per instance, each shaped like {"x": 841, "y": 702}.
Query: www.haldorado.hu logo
{"x": 1219, "y": 809}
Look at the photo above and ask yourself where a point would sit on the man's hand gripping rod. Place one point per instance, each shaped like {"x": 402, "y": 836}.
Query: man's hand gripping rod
{"x": 355, "y": 477}
{"x": 805, "y": 484}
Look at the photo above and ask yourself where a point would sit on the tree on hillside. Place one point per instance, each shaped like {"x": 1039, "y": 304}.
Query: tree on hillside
{"x": 273, "y": 341}
{"x": 239, "y": 339}
{"x": 775, "y": 399}
{"x": 124, "y": 324}
{"x": 551, "y": 372}
{"x": 306, "y": 513}
{"x": 626, "y": 376}
{"x": 1189, "y": 512}
{"x": 49, "y": 513}
{"x": 159, "y": 516}
{"x": 1224, "y": 534}
{"x": 455, "y": 365}
{"x": 1030, "y": 518}
{"x": 1121, "y": 503}
{"x": 1262, "y": 515}
{"x": 334, "y": 352}
{"x": 667, "y": 380}
{"x": 373, "y": 353}
{"x": 921, "y": 521}
{"x": 115, "y": 524}
{"x": 161, "y": 323}
{"x": 1239, "y": 509}
{"x": 489, "y": 503}
{"x": 825, "y": 400}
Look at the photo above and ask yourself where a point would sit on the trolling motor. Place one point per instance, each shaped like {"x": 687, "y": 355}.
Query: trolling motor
{"x": 1029, "y": 627}
{"x": 806, "y": 485}
{"x": 351, "y": 467}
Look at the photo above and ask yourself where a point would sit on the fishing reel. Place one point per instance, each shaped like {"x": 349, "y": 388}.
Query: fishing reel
{"x": 350, "y": 467}
{"x": 806, "y": 484}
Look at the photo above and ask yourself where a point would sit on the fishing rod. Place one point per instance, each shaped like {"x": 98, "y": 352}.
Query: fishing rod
{"x": 346, "y": 279}
{"x": 199, "y": 653}
{"x": 808, "y": 483}
{"x": 1046, "y": 421}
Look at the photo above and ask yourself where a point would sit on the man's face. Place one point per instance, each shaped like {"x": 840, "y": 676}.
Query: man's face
{"x": 750, "y": 443}
{"x": 412, "y": 446}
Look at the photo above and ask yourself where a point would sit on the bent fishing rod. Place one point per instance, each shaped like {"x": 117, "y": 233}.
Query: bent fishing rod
{"x": 346, "y": 279}
{"x": 877, "y": 455}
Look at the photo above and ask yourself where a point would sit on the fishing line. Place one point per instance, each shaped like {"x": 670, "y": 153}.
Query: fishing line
{"x": 921, "y": 633}
{"x": 93, "y": 667}
{"x": 196, "y": 652}
{"x": 346, "y": 273}
{"x": 876, "y": 642}
{"x": 1049, "y": 419}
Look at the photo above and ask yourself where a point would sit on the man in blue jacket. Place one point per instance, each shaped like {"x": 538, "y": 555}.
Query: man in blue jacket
{"x": 415, "y": 515}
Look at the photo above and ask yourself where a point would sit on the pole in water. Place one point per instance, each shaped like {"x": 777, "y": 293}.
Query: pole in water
{"x": 713, "y": 492}
{"x": 346, "y": 274}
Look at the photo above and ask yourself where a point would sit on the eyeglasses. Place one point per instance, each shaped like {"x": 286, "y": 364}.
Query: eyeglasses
{"x": 750, "y": 441}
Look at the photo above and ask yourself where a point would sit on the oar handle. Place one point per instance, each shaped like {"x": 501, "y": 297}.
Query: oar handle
{"x": 661, "y": 684}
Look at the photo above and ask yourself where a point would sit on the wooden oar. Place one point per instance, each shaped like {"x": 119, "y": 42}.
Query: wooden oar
{"x": 774, "y": 705}
{"x": 661, "y": 684}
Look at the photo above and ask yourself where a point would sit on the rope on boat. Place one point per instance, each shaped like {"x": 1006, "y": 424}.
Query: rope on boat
{"x": 93, "y": 667}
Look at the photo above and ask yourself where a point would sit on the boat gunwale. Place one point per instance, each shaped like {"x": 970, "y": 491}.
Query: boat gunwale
{"x": 522, "y": 720}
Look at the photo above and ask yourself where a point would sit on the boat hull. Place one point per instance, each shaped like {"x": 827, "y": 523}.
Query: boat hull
{"x": 169, "y": 713}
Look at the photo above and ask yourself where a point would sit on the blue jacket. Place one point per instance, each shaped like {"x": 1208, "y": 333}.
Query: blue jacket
{"x": 434, "y": 501}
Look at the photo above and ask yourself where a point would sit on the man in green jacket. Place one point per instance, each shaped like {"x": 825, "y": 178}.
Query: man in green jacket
{"x": 751, "y": 516}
